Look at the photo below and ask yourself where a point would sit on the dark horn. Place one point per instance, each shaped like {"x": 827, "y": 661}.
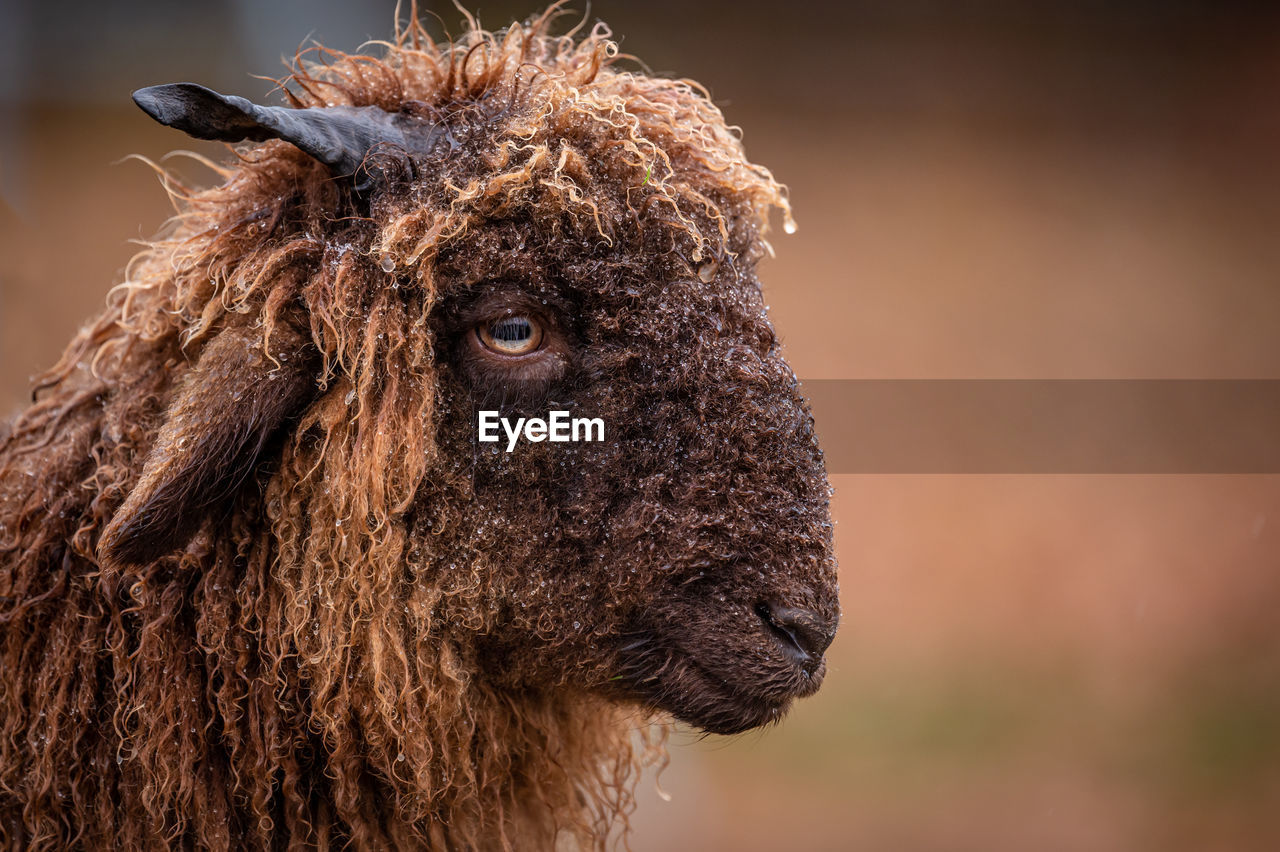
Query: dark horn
{"x": 340, "y": 136}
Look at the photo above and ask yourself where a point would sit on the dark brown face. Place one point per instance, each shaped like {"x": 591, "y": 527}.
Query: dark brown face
{"x": 684, "y": 561}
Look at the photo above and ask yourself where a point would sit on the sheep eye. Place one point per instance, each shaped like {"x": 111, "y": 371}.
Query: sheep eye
{"x": 512, "y": 336}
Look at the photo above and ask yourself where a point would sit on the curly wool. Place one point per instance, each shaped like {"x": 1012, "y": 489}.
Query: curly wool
{"x": 302, "y": 669}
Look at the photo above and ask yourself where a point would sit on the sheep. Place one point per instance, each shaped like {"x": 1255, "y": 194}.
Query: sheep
{"x": 261, "y": 585}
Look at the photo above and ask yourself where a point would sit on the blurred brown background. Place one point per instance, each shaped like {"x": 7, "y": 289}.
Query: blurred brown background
{"x": 988, "y": 189}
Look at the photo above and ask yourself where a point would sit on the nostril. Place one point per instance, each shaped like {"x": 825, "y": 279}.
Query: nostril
{"x": 804, "y": 633}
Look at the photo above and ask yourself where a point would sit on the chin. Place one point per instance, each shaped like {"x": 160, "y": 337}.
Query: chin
{"x": 721, "y": 702}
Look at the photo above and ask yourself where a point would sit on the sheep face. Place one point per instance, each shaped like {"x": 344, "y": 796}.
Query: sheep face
{"x": 685, "y": 561}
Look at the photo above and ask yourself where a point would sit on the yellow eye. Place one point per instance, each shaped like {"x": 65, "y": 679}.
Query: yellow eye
{"x": 513, "y": 335}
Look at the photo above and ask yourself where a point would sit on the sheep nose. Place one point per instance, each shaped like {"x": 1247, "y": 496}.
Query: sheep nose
{"x": 803, "y": 634}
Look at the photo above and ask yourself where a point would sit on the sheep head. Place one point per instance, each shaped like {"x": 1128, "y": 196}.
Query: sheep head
{"x": 509, "y": 224}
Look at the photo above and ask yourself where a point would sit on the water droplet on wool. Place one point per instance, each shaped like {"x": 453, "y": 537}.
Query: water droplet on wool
{"x": 388, "y": 264}
{"x": 577, "y": 625}
{"x": 707, "y": 272}
{"x": 351, "y": 395}
{"x": 789, "y": 224}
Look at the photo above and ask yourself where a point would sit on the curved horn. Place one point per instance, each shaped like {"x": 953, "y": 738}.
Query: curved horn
{"x": 339, "y": 136}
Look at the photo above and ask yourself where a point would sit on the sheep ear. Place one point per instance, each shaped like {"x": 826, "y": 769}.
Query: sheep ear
{"x": 232, "y": 403}
{"x": 340, "y": 137}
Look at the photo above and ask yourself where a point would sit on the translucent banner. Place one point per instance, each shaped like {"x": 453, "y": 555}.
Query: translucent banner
{"x": 1048, "y": 426}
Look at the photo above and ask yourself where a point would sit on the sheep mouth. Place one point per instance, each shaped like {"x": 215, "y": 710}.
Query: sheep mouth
{"x": 716, "y": 700}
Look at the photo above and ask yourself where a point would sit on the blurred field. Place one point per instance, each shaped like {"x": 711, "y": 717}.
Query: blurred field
{"x": 1027, "y": 662}
{"x": 1073, "y": 663}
